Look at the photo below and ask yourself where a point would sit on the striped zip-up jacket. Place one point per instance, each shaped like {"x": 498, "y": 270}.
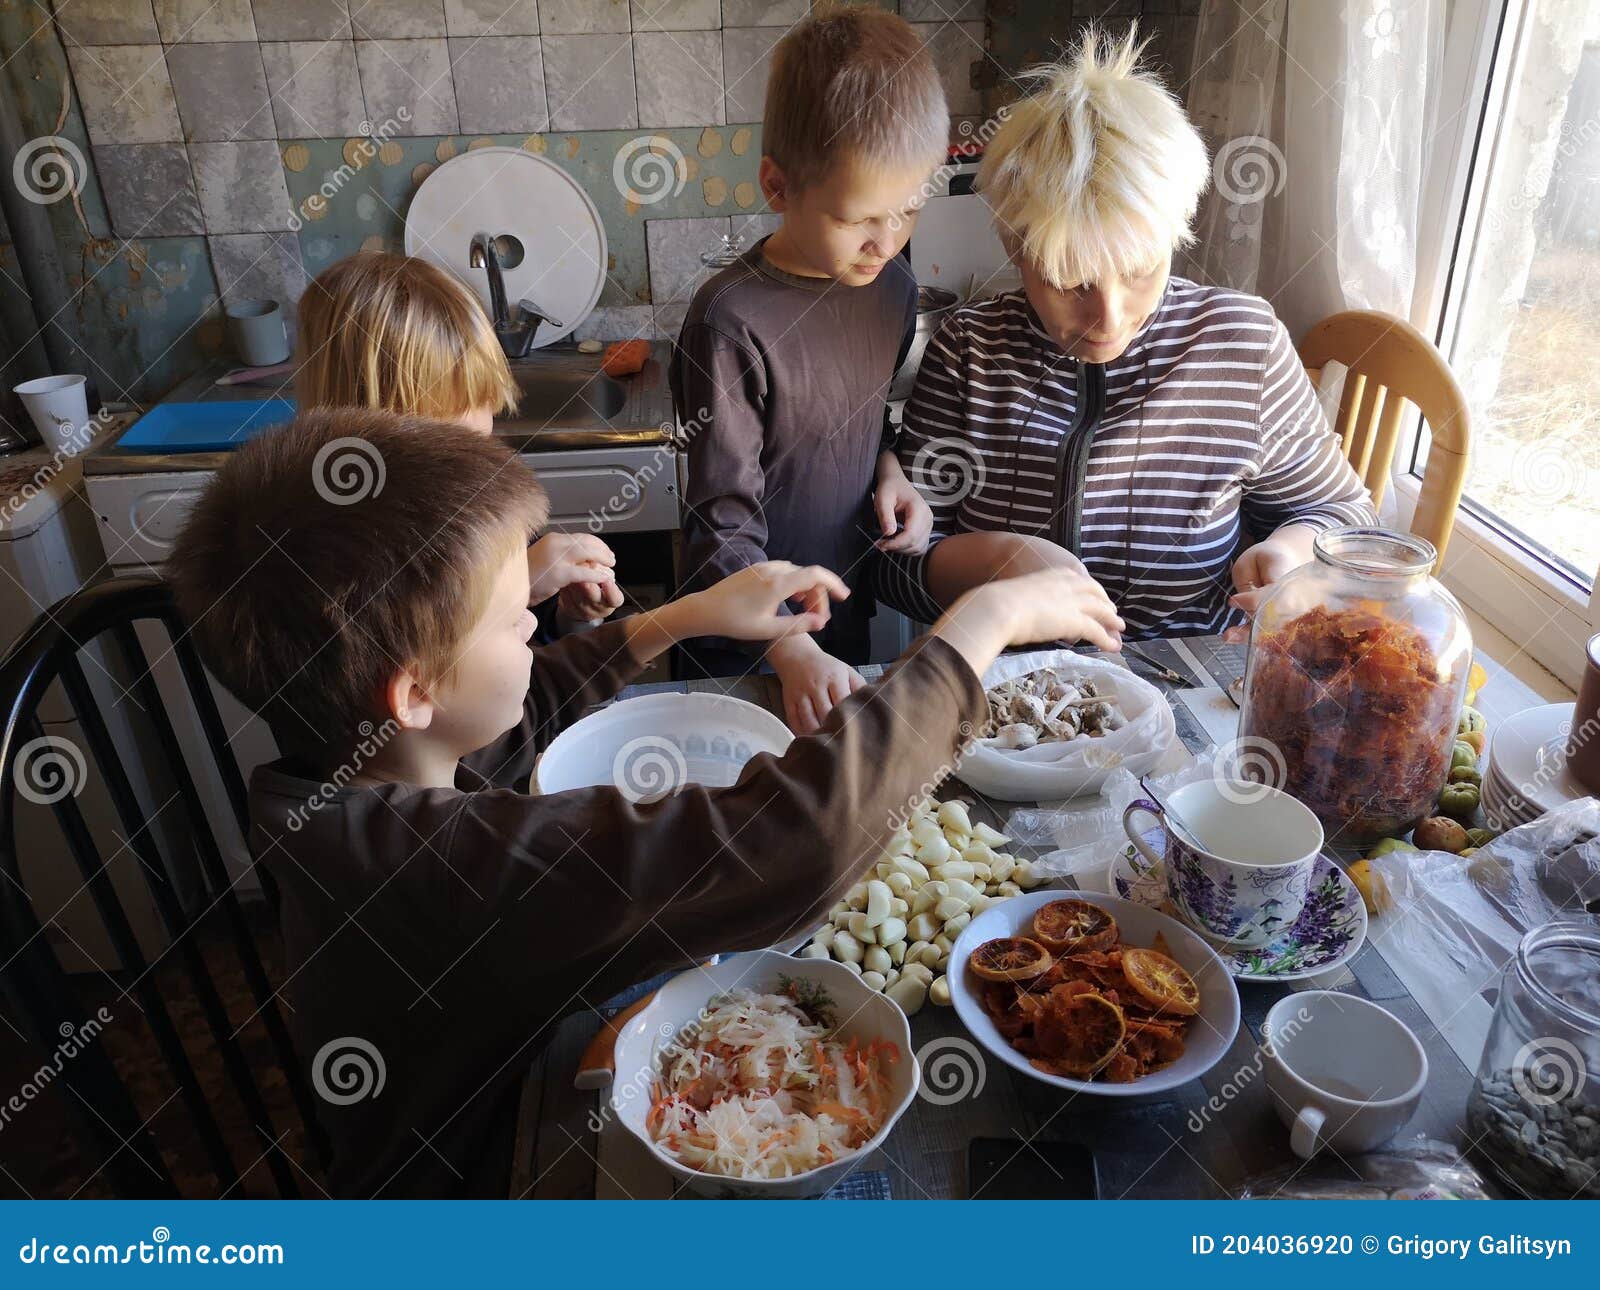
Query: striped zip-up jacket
{"x": 1156, "y": 470}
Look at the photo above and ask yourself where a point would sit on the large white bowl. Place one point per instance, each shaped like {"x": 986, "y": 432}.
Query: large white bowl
{"x": 1209, "y": 1037}
{"x": 653, "y": 745}
{"x": 860, "y": 1014}
{"x": 1072, "y": 768}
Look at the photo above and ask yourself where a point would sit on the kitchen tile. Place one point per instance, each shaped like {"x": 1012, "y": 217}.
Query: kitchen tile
{"x": 763, "y": 13}
{"x": 746, "y": 57}
{"x": 955, "y": 46}
{"x": 221, "y": 91}
{"x": 589, "y": 80}
{"x": 680, "y": 77}
{"x": 677, "y": 15}
{"x": 499, "y": 84}
{"x": 674, "y": 248}
{"x": 492, "y": 17}
{"x": 617, "y": 322}
{"x": 951, "y": 10}
{"x": 750, "y": 229}
{"x": 125, "y": 94}
{"x": 409, "y": 74}
{"x": 196, "y": 21}
{"x": 149, "y": 189}
{"x": 259, "y": 266}
{"x": 107, "y": 22}
{"x": 241, "y": 186}
{"x": 577, "y": 17}
{"x": 397, "y": 19}
{"x": 316, "y": 91}
{"x": 302, "y": 19}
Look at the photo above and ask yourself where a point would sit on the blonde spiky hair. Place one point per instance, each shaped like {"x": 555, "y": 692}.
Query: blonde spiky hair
{"x": 1097, "y": 174}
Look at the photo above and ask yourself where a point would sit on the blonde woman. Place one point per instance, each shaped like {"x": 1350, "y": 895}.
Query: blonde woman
{"x": 1155, "y": 434}
{"x": 398, "y": 333}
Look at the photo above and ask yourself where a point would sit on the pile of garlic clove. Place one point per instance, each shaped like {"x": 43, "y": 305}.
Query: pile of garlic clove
{"x": 895, "y": 928}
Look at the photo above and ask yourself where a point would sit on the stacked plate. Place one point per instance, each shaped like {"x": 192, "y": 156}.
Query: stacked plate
{"x": 1527, "y": 772}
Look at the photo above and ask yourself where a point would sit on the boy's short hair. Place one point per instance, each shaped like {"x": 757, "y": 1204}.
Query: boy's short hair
{"x": 399, "y": 333}
{"x": 329, "y": 554}
{"x": 1097, "y": 174}
{"x": 853, "y": 82}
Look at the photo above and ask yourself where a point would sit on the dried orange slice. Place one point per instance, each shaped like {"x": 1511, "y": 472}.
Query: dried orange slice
{"x": 1161, "y": 982}
{"x": 1079, "y": 1033}
{"x": 1010, "y": 958}
{"x": 1073, "y": 926}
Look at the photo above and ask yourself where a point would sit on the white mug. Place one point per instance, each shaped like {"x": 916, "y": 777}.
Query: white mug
{"x": 1343, "y": 1072}
{"x": 1241, "y": 868}
{"x": 59, "y": 406}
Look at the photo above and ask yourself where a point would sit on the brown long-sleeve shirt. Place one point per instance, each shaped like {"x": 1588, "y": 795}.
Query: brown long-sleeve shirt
{"x": 450, "y": 929}
{"x": 780, "y": 383}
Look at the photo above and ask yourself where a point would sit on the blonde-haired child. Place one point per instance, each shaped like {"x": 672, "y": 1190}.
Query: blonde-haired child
{"x": 397, "y": 333}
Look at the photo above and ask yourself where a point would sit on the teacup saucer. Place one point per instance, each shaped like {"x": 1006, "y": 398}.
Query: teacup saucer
{"x": 1330, "y": 929}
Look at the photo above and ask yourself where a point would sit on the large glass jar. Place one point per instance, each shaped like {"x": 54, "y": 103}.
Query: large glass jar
{"x": 1358, "y": 665}
{"x": 1535, "y": 1107}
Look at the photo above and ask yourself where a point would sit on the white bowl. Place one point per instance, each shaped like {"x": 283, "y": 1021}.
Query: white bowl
{"x": 1052, "y": 771}
{"x": 861, "y": 1014}
{"x": 1210, "y": 1035}
{"x": 653, "y": 745}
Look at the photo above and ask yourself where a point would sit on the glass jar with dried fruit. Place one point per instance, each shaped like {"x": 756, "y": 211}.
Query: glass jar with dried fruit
{"x": 1358, "y": 664}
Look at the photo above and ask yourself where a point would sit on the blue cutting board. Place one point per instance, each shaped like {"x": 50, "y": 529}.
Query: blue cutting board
{"x": 204, "y": 427}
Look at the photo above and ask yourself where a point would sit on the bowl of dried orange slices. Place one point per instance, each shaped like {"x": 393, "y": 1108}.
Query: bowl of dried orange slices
{"x": 1093, "y": 993}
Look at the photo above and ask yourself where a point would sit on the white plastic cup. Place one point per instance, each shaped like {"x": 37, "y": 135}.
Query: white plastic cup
{"x": 59, "y": 406}
{"x": 259, "y": 336}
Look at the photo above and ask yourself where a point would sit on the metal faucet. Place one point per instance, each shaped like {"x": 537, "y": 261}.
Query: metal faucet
{"x": 514, "y": 332}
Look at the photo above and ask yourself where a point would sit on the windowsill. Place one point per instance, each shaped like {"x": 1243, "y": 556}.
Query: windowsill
{"x": 1541, "y": 620}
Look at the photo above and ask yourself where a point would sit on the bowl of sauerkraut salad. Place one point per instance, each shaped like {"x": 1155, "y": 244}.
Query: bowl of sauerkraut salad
{"x": 764, "y": 1075}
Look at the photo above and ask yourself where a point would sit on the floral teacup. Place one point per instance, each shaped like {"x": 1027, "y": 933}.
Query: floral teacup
{"x": 1239, "y": 858}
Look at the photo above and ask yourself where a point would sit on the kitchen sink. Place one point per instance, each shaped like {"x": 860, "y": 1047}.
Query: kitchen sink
{"x": 566, "y": 400}
{"x": 558, "y": 393}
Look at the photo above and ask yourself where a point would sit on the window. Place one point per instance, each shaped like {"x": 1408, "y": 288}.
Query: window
{"x": 1522, "y": 313}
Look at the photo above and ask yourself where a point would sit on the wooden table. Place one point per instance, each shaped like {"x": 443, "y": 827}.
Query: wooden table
{"x": 1143, "y": 1149}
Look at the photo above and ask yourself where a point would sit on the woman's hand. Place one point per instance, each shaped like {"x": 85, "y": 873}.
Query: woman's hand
{"x": 558, "y": 560}
{"x": 813, "y": 681}
{"x": 903, "y": 515}
{"x": 1261, "y": 565}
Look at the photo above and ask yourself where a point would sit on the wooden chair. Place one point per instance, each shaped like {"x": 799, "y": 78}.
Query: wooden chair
{"x": 1392, "y": 365}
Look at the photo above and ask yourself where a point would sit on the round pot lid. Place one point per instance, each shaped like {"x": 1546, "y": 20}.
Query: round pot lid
{"x": 536, "y": 211}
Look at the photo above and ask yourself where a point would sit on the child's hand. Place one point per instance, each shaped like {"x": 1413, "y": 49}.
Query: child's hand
{"x": 585, "y": 602}
{"x": 745, "y": 605}
{"x": 813, "y": 681}
{"x": 558, "y": 560}
{"x": 903, "y": 515}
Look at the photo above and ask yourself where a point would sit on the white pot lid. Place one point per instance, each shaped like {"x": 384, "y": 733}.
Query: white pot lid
{"x": 506, "y": 191}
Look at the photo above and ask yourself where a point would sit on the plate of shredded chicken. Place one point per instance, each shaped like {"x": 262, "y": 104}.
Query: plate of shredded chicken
{"x": 764, "y": 1074}
{"x": 1060, "y": 723}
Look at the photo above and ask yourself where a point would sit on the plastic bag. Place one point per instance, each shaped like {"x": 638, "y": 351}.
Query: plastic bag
{"x": 1424, "y": 1169}
{"x": 1452, "y": 922}
{"x": 1068, "y": 768}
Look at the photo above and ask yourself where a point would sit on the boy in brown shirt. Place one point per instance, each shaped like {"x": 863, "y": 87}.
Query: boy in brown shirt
{"x": 432, "y": 911}
{"x": 782, "y": 369}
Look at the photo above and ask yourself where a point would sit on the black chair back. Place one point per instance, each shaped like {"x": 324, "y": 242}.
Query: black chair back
{"x": 32, "y": 975}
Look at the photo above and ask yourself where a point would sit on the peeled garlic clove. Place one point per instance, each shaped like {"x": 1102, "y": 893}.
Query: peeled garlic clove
{"x": 909, "y": 994}
{"x": 917, "y": 972}
{"x": 846, "y": 948}
{"x": 899, "y": 908}
{"x": 814, "y": 952}
{"x": 939, "y": 992}
{"x": 860, "y": 926}
{"x": 924, "y": 926}
{"x": 948, "y": 908}
{"x": 984, "y": 834}
{"x": 1024, "y": 876}
{"x": 898, "y": 882}
{"x": 953, "y": 926}
{"x": 873, "y": 980}
{"x": 891, "y": 930}
{"x": 897, "y": 952}
{"x": 876, "y": 959}
{"x": 878, "y": 898}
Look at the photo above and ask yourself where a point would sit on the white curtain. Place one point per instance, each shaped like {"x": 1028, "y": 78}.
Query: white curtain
{"x": 1319, "y": 115}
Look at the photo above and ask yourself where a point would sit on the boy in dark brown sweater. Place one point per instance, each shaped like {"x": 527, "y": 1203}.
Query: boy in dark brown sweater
{"x": 433, "y": 913}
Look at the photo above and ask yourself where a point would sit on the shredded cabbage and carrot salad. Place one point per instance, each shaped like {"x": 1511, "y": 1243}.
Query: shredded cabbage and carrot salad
{"x": 757, "y": 1087}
